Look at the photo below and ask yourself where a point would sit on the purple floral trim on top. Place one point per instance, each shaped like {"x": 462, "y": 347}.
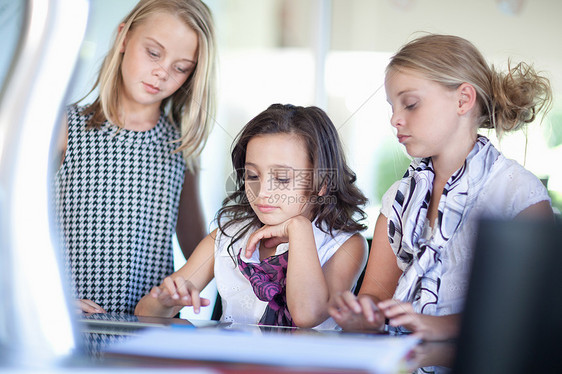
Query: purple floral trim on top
{"x": 268, "y": 280}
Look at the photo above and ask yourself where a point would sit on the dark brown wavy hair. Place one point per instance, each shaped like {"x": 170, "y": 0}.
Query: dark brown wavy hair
{"x": 339, "y": 206}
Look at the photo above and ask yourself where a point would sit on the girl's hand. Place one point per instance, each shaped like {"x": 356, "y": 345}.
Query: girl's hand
{"x": 88, "y": 306}
{"x": 425, "y": 327}
{"x": 273, "y": 235}
{"x": 176, "y": 291}
{"x": 356, "y": 313}
{"x": 431, "y": 354}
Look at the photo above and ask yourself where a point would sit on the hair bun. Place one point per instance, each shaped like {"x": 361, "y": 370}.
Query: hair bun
{"x": 518, "y": 96}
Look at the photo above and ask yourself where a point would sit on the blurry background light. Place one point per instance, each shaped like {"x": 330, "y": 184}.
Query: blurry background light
{"x": 36, "y": 323}
{"x": 510, "y": 7}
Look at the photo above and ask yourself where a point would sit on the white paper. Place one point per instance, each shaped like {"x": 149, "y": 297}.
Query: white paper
{"x": 374, "y": 353}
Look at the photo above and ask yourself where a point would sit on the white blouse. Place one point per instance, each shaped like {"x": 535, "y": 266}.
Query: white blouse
{"x": 509, "y": 190}
{"x": 239, "y": 302}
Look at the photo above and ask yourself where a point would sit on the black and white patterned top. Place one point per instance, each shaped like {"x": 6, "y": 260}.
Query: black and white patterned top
{"x": 117, "y": 196}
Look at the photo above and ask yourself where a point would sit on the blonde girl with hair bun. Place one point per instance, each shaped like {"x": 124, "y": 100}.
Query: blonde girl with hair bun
{"x": 506, "y": 100}
{"x": 128, "y": 178}
{"x": 442, "y": 91}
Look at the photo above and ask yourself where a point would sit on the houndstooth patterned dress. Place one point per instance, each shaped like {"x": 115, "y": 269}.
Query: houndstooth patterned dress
{"x": 117, "y": 198}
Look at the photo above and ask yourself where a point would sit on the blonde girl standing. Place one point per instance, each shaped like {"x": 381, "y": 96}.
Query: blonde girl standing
{"x": 123, "y": 187}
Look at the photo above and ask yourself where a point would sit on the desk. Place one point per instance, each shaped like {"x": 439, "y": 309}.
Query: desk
{"x": 220, "y": 347}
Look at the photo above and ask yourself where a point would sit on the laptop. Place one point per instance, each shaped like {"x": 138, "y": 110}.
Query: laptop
{"x": 512, "y": 321}
{"x": 125, "y": 324}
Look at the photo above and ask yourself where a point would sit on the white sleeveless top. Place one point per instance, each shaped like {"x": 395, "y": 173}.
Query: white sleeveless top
{"x": 239, "y": 302}
{"x": 509, "y": 190}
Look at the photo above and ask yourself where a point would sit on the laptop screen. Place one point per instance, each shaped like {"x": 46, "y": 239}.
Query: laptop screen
{"x": 512, "y": 321}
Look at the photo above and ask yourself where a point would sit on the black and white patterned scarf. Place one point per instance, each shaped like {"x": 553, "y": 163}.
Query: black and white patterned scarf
{"x": 419, "y": 257}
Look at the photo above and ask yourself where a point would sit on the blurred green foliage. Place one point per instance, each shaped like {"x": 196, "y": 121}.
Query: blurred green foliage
{"x": 556, "y": 198}
{"x": 553, "y": 128}
{"x": 392, "y": 163}
{"x": 553, "y": 136}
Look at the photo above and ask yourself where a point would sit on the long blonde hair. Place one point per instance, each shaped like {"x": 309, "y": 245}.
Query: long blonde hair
{"x": 507, "y": 100}
{"x": 192, "y": 106}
